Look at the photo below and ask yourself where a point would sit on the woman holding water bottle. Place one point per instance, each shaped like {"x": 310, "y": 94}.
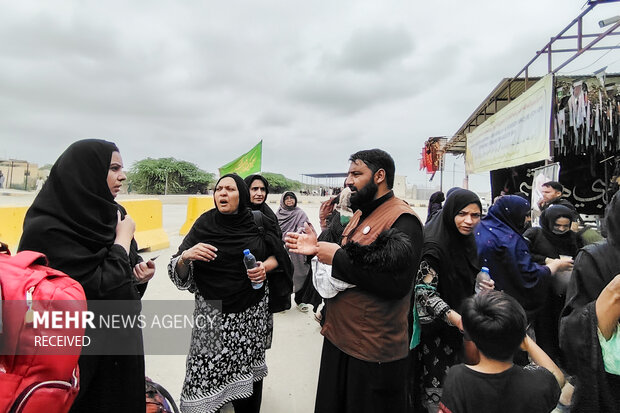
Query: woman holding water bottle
{"x": 445, "y": 278}
{"x": 505, "y": 252}
{"x": 226, "y": 361}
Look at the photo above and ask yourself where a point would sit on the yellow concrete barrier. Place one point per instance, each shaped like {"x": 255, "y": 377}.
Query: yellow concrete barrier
{"x": 196, "y": 206}
{"x": 148, "y": 215}
{"x": 11, "y": 225}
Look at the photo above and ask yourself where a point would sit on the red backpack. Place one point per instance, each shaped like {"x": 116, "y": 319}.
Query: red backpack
{"x": 36, "y": 378}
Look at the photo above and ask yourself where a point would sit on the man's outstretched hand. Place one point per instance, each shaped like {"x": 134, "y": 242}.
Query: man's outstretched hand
{"x": 304, "y": 243}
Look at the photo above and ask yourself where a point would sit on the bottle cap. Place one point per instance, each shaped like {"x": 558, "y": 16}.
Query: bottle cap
{"x": 485, "y": 269}
{"x": 246, "y": 252}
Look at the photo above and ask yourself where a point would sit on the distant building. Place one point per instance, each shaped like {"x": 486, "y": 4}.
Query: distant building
{"x": 400, "y": 186}
{"x": 21, "y": 174}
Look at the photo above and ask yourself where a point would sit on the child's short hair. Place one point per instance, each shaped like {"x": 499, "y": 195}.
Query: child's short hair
{"x": 496, "y": 323}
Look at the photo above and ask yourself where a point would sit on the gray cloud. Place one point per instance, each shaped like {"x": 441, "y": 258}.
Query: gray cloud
{"x": 374, "y": 49}
{"x": 204, "y": 81}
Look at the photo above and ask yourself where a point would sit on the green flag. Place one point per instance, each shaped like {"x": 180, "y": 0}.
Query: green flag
{"x": 246, "y": 164}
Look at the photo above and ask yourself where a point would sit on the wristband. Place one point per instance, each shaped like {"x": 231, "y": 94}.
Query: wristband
{"x": 448, "y": 318}
{"x": 181, "y": 260}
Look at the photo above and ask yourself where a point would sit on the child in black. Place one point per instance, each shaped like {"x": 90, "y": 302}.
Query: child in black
{"x": 496, "y": 323}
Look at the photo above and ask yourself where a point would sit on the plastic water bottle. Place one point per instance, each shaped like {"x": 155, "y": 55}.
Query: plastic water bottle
{"x": 483, "y": 275}
{"x": 250, "y": 262}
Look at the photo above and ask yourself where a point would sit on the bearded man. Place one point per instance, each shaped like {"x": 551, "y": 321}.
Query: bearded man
{"x": 364, "y": 358}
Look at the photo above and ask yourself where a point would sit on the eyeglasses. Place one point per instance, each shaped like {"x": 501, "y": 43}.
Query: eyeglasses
{"x": 473, "y": 215}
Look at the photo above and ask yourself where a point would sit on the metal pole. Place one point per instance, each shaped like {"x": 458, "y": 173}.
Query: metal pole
{"x": 453, "y": 171}
{"x": 11, "y": 182}
{"x": 549, "y": 58}
{"x": 588, "y": 46}
{"x": 606, "y": 183}
{"x": 552, "y": 122}
{"x": 441, "y": 174}
{"x": 579, "y": 33}
{"x": 26, "y": 175}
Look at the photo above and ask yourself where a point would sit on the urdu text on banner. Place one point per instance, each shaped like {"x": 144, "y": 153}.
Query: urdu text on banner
{"x": 518, "y": 134}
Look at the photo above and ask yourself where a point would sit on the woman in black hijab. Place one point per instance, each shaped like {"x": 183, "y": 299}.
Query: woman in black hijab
{"x": 551, "y": 240}
{"x": 227, "y": 363}
{"x": 445, "y": 278}
{"x": 590, "y": 320}
{"x": 76, "y": 223}
{"x": 554, "y": 237}
{"x": 259, "y": 190}
{"x": 434, "y": 205}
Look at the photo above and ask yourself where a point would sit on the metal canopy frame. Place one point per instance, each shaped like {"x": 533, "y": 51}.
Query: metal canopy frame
{"x": 332, "y": 180}
{"x": 510, "y": 88}
{"x": 334, "y": 175}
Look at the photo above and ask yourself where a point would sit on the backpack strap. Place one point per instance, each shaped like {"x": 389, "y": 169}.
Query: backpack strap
{"x": 152, "y": 386}
{"x": 258, "y": 220}
{"x": 25, "y": 259}
{"x": 167, "y": 395}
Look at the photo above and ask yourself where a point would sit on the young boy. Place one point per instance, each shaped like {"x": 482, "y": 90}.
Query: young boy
{"x": 496, "y": 323}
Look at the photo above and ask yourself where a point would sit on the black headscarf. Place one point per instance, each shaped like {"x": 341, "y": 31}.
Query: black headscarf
{"x": 454, "y": 188}
{"x": 453, "y": 255}
{"x": 612, "y": 221}
{"x": 434, "y": 205}
{"x": 595, "y": 267}
{"x": 73, "y": 218}
{"x": 263, "y": 207}
{"x": 563, "y": 244}
{"x": 249, "y": 179}
{"x": 225, "y": 278}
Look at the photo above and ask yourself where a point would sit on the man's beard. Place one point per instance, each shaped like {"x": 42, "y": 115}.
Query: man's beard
{"x": 363, "y": 196}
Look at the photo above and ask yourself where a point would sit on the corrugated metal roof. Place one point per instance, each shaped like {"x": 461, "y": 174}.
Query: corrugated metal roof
{"x": 502, "y": 96}
{"x": 506, "y": 91}
{"x": 333, "y": 175}
{"x": 509, "y": 89}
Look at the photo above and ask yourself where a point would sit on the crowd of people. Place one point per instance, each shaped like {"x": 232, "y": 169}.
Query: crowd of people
{"x": 407, "y": 325}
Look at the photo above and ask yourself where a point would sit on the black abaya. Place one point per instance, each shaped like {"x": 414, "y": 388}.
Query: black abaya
{"x": 73, "y": 222}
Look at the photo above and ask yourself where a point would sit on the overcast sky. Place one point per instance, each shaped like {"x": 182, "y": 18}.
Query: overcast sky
{"x": 204, "y": 81}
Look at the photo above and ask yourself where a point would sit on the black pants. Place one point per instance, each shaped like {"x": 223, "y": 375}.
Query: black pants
{"x": 252, "y": 403}
{"x": 110, "y": 384}
{"x": 350, "y": 385}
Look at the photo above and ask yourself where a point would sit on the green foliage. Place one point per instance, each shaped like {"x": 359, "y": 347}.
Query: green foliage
{"x": 279, "y": 184}
{"x": 148, "y": 176}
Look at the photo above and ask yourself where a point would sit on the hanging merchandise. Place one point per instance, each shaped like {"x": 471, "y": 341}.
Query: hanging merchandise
{"x": 431, "y": 155}
{"x": 586, "y": 121}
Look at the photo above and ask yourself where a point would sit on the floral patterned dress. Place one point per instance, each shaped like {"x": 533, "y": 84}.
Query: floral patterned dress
{"x": 226, "y": 359}
{"x": 441, "y": 344}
